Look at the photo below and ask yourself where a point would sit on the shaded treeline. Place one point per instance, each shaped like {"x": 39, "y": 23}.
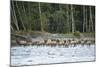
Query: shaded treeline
{"x": 51, "y": 17}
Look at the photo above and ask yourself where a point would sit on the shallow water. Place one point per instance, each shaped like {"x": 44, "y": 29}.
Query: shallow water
{"x": 33, "y": 55}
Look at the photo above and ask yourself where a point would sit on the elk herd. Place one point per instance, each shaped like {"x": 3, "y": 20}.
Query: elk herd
{"x": 57, "y": 42}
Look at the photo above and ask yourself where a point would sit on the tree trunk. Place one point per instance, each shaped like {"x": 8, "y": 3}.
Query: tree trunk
{"x": 84, "y": 19}
{"x": 72, "y": 18}
{"x": 25, "y": 18}
{"x": 91, "y": 20}
{"x": 20, "y": 16}
{"x": 12, "y": 28}
{"x": 40, "y": 17}
{"x": 68, "y": 24}
{"x": 13, "y": 10}
{"x": 13, "y": 18}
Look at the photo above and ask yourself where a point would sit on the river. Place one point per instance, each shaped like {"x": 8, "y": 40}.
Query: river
{"x": 34, "y": 55}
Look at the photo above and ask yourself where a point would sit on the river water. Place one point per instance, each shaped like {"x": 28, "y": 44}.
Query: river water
{"x": 34, "y": 55}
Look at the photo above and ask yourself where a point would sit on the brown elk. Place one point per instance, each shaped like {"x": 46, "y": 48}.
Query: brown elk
{"x": 21, "y": 42}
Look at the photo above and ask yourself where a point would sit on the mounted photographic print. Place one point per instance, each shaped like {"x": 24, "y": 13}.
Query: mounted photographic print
{"x": 51, "y": 33}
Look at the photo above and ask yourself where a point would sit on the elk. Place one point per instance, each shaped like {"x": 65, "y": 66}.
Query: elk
{"x": 21, "y": 42}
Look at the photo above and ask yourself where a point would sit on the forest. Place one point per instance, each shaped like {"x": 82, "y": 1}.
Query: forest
{"x": 52, "y": 17}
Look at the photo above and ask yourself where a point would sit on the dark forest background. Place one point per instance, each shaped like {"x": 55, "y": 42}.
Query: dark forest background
{"x": 52, "y": 17}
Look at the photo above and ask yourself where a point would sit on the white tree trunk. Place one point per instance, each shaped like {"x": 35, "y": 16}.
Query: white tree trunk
{"x": 13, "y": 10}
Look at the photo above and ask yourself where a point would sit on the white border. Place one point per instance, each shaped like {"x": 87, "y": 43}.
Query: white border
{"x": 80, "y": 2}
{"x": 4, "y": 33}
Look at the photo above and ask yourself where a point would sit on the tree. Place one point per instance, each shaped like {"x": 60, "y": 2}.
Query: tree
{"x": 40, "y": 17}
{"x": 84, "y": 17}
{"x": 14, "y": 16}
{"x": 91, "y": 20}
{"x": 86, "y": 20}
{"x": 68, "y": 21}
{"x": 20, "y": 16}
{"x": 72, "y": 18}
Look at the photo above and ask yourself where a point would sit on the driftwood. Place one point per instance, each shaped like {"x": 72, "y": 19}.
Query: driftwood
{"x": 19, "y": 36}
